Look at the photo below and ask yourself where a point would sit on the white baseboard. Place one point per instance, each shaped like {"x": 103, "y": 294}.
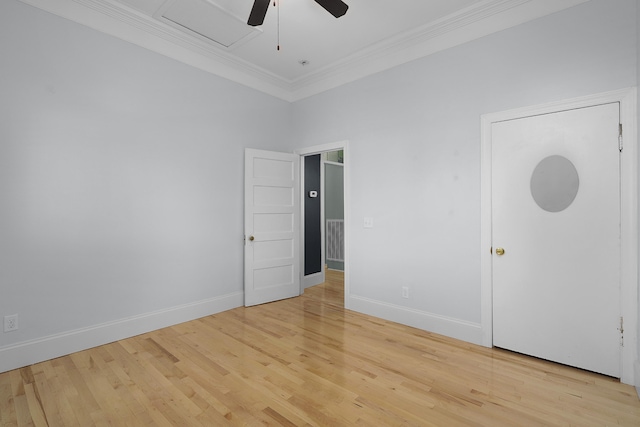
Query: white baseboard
{"x": 454, "y": 328}
{"x": 312, "y": 280}
{"x": 38, "y": 350}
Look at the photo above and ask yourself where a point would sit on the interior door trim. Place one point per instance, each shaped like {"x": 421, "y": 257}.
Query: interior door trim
{"x": 629, "y": 214}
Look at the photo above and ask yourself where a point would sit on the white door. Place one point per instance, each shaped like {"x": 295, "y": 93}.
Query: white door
{"x": 556, "y": 216}
{"x": 272, "y": 211}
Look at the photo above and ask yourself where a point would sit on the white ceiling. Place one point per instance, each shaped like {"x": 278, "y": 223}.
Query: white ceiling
{"x": 373, "y": 36}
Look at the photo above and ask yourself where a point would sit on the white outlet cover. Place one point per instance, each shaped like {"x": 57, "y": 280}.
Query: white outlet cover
{"x": 368, "y": 222}
{"x": 10, "y": 323}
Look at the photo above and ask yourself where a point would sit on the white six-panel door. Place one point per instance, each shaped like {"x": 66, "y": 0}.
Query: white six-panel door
{"x": 272, "y": 212}
{"x": 556, "y": 237}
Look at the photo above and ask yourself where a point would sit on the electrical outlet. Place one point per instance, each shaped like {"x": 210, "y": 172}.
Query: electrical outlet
{"x": 11, "y": 323}
{"x": 405, "y": 292}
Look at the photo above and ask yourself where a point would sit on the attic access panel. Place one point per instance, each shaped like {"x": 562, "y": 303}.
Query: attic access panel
{"x": 205, "y": 19}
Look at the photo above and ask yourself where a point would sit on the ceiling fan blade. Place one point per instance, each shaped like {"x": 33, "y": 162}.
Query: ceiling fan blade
{"x": 258, "y": 12}
{"x": 335, "y": 7}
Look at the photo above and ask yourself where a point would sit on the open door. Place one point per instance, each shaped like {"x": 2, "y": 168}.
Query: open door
{"x": 271, "y": 226}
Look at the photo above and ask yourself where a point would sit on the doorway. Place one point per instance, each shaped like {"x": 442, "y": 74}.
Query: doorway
{"x": 273, "y": 235}
{"x": 332, "y": 242}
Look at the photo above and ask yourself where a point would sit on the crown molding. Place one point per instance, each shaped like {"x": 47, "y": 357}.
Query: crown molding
{"x": 118, "y": 20}
{"x": 479, "y": 20}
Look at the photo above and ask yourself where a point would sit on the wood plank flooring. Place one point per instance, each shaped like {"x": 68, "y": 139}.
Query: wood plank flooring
{"x": 307, "y": 362}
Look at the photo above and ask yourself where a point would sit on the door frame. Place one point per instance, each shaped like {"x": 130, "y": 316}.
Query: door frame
{"x": 319, "y": 149}
{"x": 628, "y": 213}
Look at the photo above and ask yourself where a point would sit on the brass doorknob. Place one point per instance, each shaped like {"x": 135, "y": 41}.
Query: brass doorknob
{"x": 499, "y": 251}
{"x": 251, "y": 238}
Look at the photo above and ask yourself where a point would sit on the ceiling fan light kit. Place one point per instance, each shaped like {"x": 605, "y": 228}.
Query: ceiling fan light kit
{"x": 259, "y": 10}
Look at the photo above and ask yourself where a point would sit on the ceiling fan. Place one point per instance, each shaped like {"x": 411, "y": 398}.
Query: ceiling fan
{"x": 335, "y": 7}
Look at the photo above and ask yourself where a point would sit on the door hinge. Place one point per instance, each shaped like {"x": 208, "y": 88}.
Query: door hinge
{"x": 621, "y": 329}
{"x": 620, "y": 136}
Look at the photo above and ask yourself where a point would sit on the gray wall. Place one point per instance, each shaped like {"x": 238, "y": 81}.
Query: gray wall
{"x": 414, "y": 134}
{"x": 312, "y": 216}
{"x": 121, "y": 171}
{"x": 121, "y": 177}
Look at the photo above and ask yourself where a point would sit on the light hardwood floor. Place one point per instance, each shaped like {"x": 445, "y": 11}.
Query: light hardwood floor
{"x": 307, "y": 362}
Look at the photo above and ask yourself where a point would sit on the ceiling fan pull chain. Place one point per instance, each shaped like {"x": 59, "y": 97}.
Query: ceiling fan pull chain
{"x": 278, "y": 6}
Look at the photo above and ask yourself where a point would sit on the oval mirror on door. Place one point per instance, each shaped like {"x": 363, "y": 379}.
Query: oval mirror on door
{"x": 555, "y": 183}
